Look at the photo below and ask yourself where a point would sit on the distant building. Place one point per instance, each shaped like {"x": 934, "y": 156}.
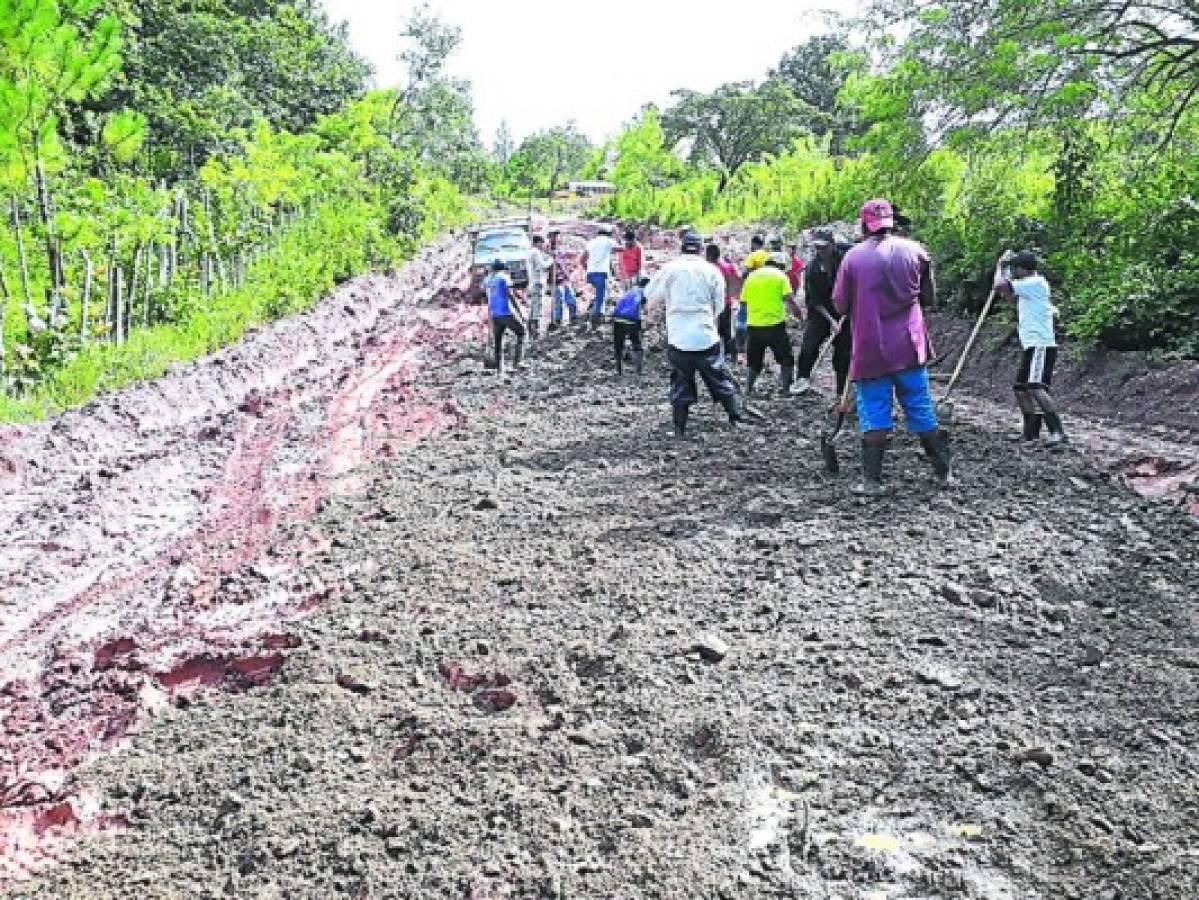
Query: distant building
{"x": 590, "y": 188}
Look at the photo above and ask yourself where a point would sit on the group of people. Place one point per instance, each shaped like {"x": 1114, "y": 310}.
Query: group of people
{"x": 862, "y": 300}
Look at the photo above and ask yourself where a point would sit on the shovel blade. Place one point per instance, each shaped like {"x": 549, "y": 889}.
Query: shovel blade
{"x": 828, "y": 450}
{"x": 946, "y": 414}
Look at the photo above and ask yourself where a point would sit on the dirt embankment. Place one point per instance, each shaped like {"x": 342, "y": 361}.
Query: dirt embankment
{"x": 489, "y": 638}
{"x": 152, "y": 537}
{"x": 1128, "y": 389}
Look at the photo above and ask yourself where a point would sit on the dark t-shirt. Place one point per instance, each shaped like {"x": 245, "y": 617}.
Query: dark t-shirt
{"x": 819, "y": 278}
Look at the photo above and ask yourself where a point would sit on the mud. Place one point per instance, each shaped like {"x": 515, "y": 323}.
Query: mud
{"x": 429, "y": 633}
{"x": 131, "y": 523}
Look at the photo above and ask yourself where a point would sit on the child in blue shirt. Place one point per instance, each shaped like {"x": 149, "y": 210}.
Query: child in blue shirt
{"x": 626, "y": 326}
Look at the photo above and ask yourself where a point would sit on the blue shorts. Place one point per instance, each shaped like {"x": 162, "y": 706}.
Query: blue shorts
{"x": 876, "y": 396}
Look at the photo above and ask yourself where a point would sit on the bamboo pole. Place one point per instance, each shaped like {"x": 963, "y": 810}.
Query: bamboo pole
{"x": 24, "y": 263}
{"x": 147, "y": 285}
{"x": 85, "y": 303}
{"x": 134, "y": 282}
{"x": 6, "y": 299}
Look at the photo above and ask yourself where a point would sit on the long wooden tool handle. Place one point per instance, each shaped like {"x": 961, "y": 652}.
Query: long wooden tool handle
{"x": 978, "y": 326}
{"x": 843, "y": 404}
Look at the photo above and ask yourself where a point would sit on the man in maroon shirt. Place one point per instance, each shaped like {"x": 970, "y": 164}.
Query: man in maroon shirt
{"x": 880, "y": 286}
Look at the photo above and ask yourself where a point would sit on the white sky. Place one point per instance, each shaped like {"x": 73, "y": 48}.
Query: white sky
{"x": 539, "y": 63}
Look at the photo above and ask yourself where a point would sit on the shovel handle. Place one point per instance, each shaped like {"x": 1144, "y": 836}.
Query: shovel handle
{"x": 843, "y": 402}
{"x": 978, "y": 326}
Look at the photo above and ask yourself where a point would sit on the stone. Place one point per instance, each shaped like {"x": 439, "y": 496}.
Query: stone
{"x": 711, "y": 648}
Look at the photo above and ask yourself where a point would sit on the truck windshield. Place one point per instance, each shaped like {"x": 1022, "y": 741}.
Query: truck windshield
{"x": 493, "y": 243}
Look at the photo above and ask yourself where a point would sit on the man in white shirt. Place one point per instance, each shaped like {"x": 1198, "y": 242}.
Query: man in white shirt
{"x": 598, "y": 260}
{"x": 538, "y": 265}
{"x": 692, "y": 291}
{"x": 1016, "y": 277}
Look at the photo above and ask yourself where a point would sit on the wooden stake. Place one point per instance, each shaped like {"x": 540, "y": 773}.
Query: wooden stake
{"x": 24, "y": 263}
{"x": 85, "y": 304}
{"x": 146, "y": 285}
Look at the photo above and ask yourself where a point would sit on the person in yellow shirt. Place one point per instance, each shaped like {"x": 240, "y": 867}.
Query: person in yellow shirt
{"x": 767, "y": 296}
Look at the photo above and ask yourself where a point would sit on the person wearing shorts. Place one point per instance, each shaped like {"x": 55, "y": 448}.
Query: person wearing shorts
{"x": 1016, "y": 277}
{"x": 880, "y": 286}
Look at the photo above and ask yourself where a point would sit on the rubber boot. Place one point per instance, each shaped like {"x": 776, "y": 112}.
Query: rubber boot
{"x": 936, "y": 449}
{"x": 518, "y": 353}
{"x": 786, "y": 376}
{"x": 751, "y": 379}
{"x": 679, "y": 415}
{"x": 1032, "y": 429}
{"x": 739, "y": 411}
{"x": 872, "y": 470}
{"x": 1057, "y": 435}
{"x": 639, "y": 362}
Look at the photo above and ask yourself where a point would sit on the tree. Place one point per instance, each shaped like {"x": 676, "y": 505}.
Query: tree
{"x": 815, "y": 73}
{"x": 642, "y": 159}
{"x": 201, "y": 69}
{"x": 1003, "y": 62}
{"x": 430, "y": 42}
{"x": 547, "y": 158}
{"x": 433, "y": 115}
{"x": 47, "y": 62}
{"x": 504, "y": 145}
{"x": 735, "y": 124}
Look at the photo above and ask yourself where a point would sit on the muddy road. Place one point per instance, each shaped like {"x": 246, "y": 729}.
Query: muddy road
{"x": 338, "y": 613}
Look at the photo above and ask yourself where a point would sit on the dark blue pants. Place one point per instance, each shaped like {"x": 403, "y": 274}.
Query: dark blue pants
{"x": 708, "y": 365}
{"x": 599, "y": 281}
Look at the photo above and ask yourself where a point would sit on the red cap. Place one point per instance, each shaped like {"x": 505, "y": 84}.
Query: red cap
{"x": 877, "y": 214}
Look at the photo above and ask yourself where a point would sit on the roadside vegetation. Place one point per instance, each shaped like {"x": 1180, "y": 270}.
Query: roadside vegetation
{"x": 1069, "y": 128}
{"x": 171, "y": 174}
{"x": 165, "y": 184}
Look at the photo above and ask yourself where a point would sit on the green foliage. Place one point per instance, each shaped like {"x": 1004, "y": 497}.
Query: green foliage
{"x": 107, "y": 274}
{"x": 734, "y": 125}
{"x": 815, "y": 73}
{"x": 199, "y": 70}
{"x": 544, "y": 160}
{"x": 1007, "y": 124}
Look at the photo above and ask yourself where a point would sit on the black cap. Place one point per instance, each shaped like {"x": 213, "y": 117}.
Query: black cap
{"x": 498, "y": 265}
{"x": 693, "y": 242}
{"x": 1025, "y": 259}
{"x": 823, "y": 236}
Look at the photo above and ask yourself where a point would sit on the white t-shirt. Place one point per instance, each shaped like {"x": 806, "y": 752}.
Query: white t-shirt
{"x": 538, "y": 265}
{"x": 1036, "y": 312}
{"x": 693, "y": 290}
{"x": 599, "y": 254}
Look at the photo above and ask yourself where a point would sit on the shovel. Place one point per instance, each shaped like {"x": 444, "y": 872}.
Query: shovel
{"x": 945, "y": 409}
{"x": 827, "y": 449}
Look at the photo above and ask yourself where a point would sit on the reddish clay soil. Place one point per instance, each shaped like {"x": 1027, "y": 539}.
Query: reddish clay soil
{"x": 362, "y": 616}
{"x": 131, "y": 524}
